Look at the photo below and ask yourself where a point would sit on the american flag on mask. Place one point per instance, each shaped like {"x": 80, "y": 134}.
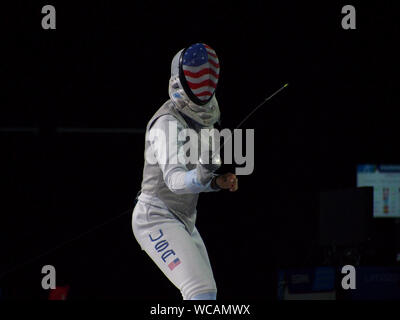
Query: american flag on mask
{"x": 201, "y": 69}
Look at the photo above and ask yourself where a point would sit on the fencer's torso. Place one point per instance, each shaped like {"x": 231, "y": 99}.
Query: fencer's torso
{"x": 154, "y": 189}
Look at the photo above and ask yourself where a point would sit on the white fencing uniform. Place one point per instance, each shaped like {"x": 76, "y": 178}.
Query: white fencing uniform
{"x": 177, "y": 249}
{"x": 164, "y": 217}
{"x": 165, "y": 239}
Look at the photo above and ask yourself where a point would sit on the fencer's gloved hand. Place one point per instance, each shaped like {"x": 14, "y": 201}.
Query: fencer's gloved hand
{"x": 208, "y": 164}
{"x": 225, "y": 181}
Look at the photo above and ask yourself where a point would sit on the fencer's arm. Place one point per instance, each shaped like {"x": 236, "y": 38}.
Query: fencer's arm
{"x": 177, "y": 177}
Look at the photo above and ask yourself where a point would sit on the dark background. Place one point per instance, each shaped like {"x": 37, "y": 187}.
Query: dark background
{"x": 107, "y": 65}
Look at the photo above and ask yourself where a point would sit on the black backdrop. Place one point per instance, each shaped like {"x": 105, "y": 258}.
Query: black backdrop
{"x": 107, "y": 66}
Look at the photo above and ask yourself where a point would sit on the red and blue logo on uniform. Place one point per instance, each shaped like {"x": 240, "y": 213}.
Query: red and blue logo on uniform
{"x": 174, "y": 263}
{"x": 161, "y": 245}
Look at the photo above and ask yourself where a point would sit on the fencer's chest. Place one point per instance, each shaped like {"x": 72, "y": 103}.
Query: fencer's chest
{"x": 192, "y": 146}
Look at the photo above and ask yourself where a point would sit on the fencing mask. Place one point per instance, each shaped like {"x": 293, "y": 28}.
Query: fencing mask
{"x": 194, "y": 78}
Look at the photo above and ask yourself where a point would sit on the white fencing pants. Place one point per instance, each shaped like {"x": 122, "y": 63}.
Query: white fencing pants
{"x": 181, "y": 256}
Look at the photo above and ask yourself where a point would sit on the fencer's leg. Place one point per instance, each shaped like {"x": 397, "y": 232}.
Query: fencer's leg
{"x": 205, "y": 296}
{"x": 184, "y": 266}
{"x": 174, "y": 251}
{"x": 198, "y": 240}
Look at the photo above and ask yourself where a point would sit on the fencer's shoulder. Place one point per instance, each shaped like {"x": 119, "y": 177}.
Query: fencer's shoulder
{"x": 163, "y": 110}
{"x": 166, "y": 109}
{"x": 164, "y": 120}
{"x": 167, "y": 113}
